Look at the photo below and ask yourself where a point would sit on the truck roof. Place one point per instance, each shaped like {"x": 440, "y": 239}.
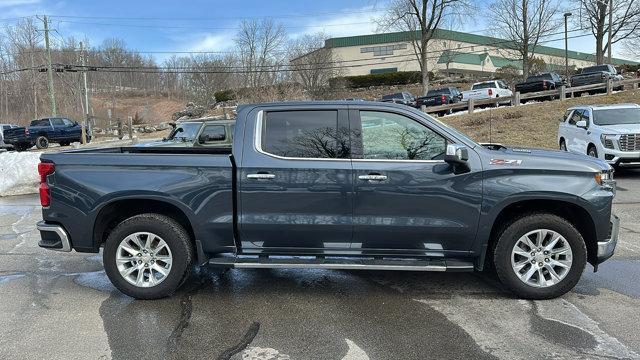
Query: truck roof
{"x": 605, "y": 106}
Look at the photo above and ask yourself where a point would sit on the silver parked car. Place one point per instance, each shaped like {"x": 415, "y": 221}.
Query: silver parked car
{"x": 4, "y": 127}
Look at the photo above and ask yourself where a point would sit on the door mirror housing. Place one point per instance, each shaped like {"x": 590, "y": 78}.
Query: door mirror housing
{"x": 581, "y": 124}
{"x": 457, "y": 156}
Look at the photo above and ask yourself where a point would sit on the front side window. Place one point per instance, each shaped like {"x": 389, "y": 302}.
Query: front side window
{"x": 67, "y": 122}
{"x": 389, "y": 136}
{"x": 304, "y": 134}
{"x": 577, "y": 115}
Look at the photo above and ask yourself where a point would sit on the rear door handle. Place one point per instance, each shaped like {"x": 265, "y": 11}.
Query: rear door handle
{"x": 261, "y": 176}
{"x": 373, "y": 177}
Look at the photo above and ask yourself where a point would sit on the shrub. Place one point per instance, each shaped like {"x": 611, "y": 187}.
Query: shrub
{"x": 224, "y": 95}
{"x": 392, "y": 78}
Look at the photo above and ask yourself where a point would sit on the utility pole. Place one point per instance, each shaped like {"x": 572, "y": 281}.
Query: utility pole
{"x": 610, "y": 27}
{"x": 85, "y": 92}
{"x": 566, "y": 46}
{"x": 52, "y": 94}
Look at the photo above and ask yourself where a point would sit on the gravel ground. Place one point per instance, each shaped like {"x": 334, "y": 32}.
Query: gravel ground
{"x": 61, "y": 306}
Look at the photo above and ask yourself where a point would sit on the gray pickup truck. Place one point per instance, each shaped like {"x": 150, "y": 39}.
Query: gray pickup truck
{"x": 332, "y": 185}
{"x": 597, "y": 74}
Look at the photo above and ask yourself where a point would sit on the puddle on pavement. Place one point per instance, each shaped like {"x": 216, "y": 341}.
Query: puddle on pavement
{"x": 7, "y": 278}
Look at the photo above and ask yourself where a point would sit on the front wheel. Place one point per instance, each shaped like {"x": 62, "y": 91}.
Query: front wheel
{"x": 563, "y": 145}
{"x": 148, "y": 256}
{"x": 540, "y": 256}
{"x": 592, "y": 151}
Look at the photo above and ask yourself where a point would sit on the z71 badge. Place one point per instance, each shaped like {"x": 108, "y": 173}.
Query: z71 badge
{"x": 505, "y": 162}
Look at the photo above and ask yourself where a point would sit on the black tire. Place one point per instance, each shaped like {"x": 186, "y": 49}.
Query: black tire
{"x": 64, "y": 143}
{"x": 563, "y": 145}
{"x": 520, "y": 227}
{"x": 592, "y": 151}
{"x": 42, "y": 142}
{"x": 177, "y": 240}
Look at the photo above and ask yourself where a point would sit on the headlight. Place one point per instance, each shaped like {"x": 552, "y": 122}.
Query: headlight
{"x": 608, "y": 139}
{"x": 604, "y": 178}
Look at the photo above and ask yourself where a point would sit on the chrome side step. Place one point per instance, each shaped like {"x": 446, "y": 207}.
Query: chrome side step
{"x": 281, "y": 262}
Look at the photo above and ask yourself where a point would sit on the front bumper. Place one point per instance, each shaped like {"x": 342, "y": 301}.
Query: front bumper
{"x": 606, "y": 248}
{"x": 53, "y": 237}
{"x": 615, "y": 157}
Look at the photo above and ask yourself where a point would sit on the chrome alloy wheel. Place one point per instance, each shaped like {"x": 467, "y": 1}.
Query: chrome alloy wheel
{"x": 144, "y": 259}
{"x": 541, "y": 258}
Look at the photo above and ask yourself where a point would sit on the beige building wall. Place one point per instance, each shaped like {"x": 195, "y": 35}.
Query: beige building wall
{"x": 358, "y": 63}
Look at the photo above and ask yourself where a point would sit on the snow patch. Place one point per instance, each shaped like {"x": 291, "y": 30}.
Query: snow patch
{"x": 19, "y": 173}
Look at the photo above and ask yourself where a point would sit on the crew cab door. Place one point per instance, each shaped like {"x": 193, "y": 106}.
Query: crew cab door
{"x": 407, "y": 199}
{"x": 295, "y": 179}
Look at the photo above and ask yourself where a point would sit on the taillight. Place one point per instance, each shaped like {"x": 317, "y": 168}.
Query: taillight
{"x": 26, "y": 131}
{"x": 45, "y": 169}
{"x": 544, "y": 85}
{"x": 444, "y": 99}
{"x": 490, "y": 92}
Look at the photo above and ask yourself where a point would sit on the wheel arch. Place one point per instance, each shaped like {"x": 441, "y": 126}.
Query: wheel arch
{"x": 120, "y": 209}
{"x": 577, "y": 215}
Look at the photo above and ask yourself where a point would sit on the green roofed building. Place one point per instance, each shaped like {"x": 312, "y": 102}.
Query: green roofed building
{"x": 450, "y": 52}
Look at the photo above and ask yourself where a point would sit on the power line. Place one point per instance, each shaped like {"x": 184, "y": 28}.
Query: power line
{"x": 280, "y": 16}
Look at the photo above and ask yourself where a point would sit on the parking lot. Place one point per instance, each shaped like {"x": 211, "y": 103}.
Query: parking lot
{"x": 61, "y": 305}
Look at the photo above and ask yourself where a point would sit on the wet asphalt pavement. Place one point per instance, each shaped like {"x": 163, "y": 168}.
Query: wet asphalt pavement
{"x": 62, "y": 306}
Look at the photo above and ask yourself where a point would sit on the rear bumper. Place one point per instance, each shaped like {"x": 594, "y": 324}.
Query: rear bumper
{"x": 607, "y": 247}
{"x": 53, "y": 237}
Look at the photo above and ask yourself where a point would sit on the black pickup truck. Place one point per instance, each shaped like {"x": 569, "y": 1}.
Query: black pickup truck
{"x": 332, "y": 185}
{"x": 42, "y": 132}
{"x": 598, "y": 74}
{"x": 540, "y": 82}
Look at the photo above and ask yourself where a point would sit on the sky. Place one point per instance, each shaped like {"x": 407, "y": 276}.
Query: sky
{"x": 198, "y": 25}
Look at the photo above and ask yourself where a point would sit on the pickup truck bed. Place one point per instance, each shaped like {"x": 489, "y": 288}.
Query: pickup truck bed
{"x": 333, "y": 185}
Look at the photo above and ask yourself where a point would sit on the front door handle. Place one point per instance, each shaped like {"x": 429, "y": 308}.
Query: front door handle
{"x": 261, "y": 176}
{"x": 373, "y": 177}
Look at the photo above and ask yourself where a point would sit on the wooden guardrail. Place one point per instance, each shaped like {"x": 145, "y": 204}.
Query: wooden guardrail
{"x": 560, "y": 93}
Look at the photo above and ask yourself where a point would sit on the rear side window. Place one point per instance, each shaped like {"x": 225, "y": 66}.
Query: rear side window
{"x": 6, "y": 127}
{"x": 41, "y": 122}
{"x": 213, "y": 133}
{"x": 304, "y": 134}
{"x": 57, "y": 122}
{"x": 67, "y": 122}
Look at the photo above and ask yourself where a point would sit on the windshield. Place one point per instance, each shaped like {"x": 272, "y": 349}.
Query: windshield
{"x": 185, "y": 132}
{"x": 438, "y": 92}
{"x": 485, "y": 85}
{"x": 616, "y": 116}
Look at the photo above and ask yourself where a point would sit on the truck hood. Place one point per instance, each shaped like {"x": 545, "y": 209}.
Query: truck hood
{"x": 621, "y": 129}
{"x": 531, "y": 158}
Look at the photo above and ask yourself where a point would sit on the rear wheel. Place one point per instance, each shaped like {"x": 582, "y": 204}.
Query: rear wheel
{"x": 42, "y": 142}
{"x": 64, "y": 143}
{"x": 148, "y": 256}
{"x": 540, "y": 256}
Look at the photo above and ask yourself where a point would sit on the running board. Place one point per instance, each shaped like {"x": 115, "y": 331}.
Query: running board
{"x": 282, "y": 262}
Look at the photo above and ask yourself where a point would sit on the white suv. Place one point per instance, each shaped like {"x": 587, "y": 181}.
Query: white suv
{"x": 609, "y": 132}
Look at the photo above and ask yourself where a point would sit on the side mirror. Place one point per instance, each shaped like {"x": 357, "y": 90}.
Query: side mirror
{"x": 457, "y": 156}
{"x": 581, "y": 124}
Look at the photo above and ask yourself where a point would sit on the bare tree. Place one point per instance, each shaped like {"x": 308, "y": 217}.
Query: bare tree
{"x": 423, "y": 17}
{"x": 312, "y": 63}
{"x": 625, "y": 24}
{"x": 523, "y": 24}
{"x": 260, "y": 46}
{"x": 632, "y": 47}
